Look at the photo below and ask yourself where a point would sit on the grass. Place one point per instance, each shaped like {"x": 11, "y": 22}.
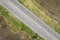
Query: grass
{"x": 41, "y": 13}
{"x": 18, "y": 23}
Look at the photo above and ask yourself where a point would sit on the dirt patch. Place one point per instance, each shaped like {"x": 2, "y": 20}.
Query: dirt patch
{"x": 53, "y": 6}
{"x": 6, "y": 33}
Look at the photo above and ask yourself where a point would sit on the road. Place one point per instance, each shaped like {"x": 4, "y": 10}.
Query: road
{"x": 30, "y": 19}
{"x": 36, "y": 19}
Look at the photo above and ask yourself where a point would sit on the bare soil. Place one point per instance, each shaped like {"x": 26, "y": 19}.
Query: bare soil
{"x": 7, "y": 34}
{"x": 53, "y": 6}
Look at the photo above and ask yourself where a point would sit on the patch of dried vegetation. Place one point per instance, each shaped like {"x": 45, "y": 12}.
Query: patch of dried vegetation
{"x": 7, "y": 32}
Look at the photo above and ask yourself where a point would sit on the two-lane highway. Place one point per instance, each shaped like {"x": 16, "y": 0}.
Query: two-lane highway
{"x": 30, "y": 19}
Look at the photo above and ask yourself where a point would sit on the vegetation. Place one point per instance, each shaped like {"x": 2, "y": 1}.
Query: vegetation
{"x": 41, "y": 12}
{"x": 18, "y": 23}
{"x": 7, "y": 32}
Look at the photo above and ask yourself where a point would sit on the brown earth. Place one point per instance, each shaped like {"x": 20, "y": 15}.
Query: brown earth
{"x": 7, "y": 34}
{"x": 53, "y": 6}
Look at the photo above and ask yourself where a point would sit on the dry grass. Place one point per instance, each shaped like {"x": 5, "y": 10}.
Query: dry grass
{"x": 7, "y": 32}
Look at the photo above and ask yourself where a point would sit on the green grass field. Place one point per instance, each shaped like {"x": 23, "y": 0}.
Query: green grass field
{"x": 41, "y": 13}
{"x": 18, "y": 23}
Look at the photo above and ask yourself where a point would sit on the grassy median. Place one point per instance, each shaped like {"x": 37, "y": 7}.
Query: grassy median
{"x": 41, "y": 13}
{"x": 11, "y": 19}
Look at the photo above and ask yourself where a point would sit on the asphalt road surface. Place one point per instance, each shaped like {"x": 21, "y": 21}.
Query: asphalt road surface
{"x": 30, "y": 19}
